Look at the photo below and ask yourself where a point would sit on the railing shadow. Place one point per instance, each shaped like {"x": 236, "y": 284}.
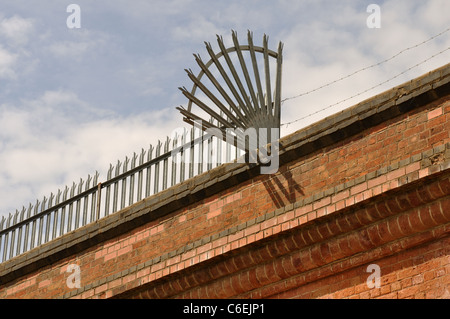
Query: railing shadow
{"x": 275, "y": 188}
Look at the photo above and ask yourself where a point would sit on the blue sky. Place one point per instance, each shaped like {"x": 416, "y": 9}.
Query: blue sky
{"x": 74, "y": 100}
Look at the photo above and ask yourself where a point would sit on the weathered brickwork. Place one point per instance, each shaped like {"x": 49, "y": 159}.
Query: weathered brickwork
{"x": 369, "y": 185}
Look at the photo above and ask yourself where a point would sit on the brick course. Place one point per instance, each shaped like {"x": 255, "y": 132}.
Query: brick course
{"x": 370, "y": 184}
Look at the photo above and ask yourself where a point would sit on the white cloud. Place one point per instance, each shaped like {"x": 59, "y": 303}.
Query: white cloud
{"x": 45, "y": 145}
{"x": 78, "y": 43}
{"x": 7, "y": 62}
{"x": 57, "y": 134}
{"x": 16, "y": 29}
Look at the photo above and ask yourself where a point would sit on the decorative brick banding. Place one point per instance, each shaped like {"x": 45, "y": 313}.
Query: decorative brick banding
{"x": 370, "y": 184}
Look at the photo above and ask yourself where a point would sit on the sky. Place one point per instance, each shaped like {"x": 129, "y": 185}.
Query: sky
{"x": 74, "y": 100}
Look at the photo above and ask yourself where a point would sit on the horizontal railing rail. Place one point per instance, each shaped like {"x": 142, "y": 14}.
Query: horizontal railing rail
{"x": 175, "y": 160}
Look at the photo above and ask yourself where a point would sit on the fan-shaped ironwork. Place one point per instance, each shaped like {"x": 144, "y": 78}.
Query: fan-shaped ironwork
{"x": 238, "y": 94}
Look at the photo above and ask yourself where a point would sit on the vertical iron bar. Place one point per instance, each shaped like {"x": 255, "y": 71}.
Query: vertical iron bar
{"x": 77, "y": 214}
{"x": 140, "y": 176}
{"x": 99, "y": 198}
{"x": 165, "y": 165}
{"x": 132, "y": 180}
{"x": 27, "y": 228}
{"x": 219, "y": 151}
{"x": 19, "y": 238}
{"x": 55, "y": 216}
{"x": 41, "y": 223}
{"x": 278, "y": 86}
{"x": 13, "y": 235}
{"x": 148, "y": 177}
{"x": 33, "y": 227}
{"x": 69, "y": 218}
{"x": 47, "y": 228}
{"x": 108, "y": 190}
{"x": 156, "y": 184}
{"x": 6, "y": 236}
{"x": 95, "y": 207}
{"x": 200, "y": 152}
{"x": 63, "y": 212}
{"x": 267, "y": 72}
{"x": 191, "y": 153}
{"x": 116, "y": 186}
{"x": 174, "y": 160}
{"x": 124, "y": 183}
{"x": 183, "y": 155}
{"x": 86, "y": 201}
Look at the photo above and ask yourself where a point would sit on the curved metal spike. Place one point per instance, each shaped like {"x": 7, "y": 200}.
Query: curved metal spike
{"x": 2, "y": 221}
{"x": 141, "y": 157}
{"x": 58, "y": 196}
{"x": 22, "y": 213}
{"x": 80, "y": 186}
{"x": 125, "y": 164}
{"x": 133, "y": 160}
{"x": 95, "y": 181}
{"x": 72, "y": 190}
{"x": 66, "y": 190}
{"x": 50, "y": 200}
{"x": 16, "y": 214}
{"x": 36, "y": 207}
{"x": 8, "y": 220}
{"x": 30, "y": 208}
{"x": 88, "y": 182}
{"x": 119, "y": 164}
{"x": 44, "y": 201}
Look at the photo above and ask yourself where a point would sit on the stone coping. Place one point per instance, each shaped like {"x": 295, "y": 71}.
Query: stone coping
{"x": 351, "y": 121}
{"x": 293, "y": 215}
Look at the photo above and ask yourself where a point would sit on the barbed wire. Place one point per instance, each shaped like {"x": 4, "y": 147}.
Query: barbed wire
{"x": 367, "y": 90}
{"x": 367, "y": 67}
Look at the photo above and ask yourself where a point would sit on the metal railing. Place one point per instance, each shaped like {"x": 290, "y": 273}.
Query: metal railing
{"x": 169, "y": 163}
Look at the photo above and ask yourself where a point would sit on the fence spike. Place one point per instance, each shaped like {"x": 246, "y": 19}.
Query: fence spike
{"x": 2, "y": 222}
{"x": 8, "y": 221}
{"x": 72, "y": 190}
{"x": 88, "y": 182}
{"x": 125, "y": 164}
{"x": 22, "y": 213}
{"x": 44, "y": 201}
{"x": 15, "y": 217}
{"x": 95, "y": 181}
{"x": 80, "y": 186}
{"x": 119, "y": 163}
{"x": 30, "y": 207}
{"x": 58, "y": 196}
{"x": 66, "y": 190}
{"x": 50, "y": 200}
{"x": 36, "y": 207}
{"x": 109, "y": 174}
{"x": 134, "y": 158}
{"x": 141, "y": 157}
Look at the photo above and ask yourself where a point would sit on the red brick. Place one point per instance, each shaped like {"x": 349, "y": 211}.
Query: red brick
{"x": 358, "y": 188}
{"x": 434, "y": 113}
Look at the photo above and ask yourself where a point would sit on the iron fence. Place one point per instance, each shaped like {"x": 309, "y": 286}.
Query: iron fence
{"x": 153, "y": 170}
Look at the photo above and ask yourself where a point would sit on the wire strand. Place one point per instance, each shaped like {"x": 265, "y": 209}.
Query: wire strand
{"x": 367, "y": 90}
{"x": 367, "y": 67}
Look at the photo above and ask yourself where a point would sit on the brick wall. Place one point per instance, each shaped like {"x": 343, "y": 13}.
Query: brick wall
{"x": 369, "y": 185}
